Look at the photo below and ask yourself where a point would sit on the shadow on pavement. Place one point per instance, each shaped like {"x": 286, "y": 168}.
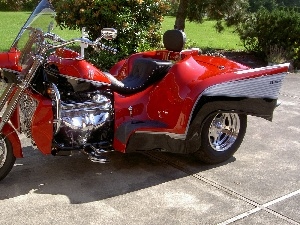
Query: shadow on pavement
{"x": 83, "y": 181}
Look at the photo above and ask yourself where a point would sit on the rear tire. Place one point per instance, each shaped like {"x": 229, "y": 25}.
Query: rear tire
{"x": 221, "y": 136}
{"x": 7, "y": 158}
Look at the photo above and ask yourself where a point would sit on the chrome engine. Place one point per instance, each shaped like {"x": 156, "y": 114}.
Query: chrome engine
{"x": 83, "y": 115}
{"x": 80, "y": 119}
{"x": 87, "y": 115}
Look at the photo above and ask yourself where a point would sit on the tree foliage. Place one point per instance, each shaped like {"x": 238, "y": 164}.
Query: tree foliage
{"x": 232, "y": 11}
{"x": 279, "y": 28}
{"x": 196, "y": 10}
{"x": 16, "y": 5}
{"x": 255, "y": 5}
{"x": 138, "y": 22}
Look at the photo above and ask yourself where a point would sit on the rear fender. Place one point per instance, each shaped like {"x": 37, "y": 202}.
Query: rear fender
{"x": 260, "y": 107}
{"x": 257, "y": 107}
{"x": 9, "y": 132}
{"x": 250, "y": 91}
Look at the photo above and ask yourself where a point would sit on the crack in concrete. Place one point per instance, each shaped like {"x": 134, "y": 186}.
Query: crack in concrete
{"x": 289, "y": 95}
{"x": 258, "y": 207}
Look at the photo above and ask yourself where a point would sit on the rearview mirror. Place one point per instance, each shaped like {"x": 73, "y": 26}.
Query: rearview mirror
{"x": 109, "y": 33}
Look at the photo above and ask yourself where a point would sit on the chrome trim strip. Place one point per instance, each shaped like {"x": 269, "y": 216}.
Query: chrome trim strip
{"x": 262, "y": 68}
{"x": 260, "y": 87}
{"x": 96, "y": 83}
{"x": 171, "y": 135}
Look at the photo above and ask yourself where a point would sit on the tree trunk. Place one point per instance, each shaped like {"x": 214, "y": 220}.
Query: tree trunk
{"x": 181, "y": 15}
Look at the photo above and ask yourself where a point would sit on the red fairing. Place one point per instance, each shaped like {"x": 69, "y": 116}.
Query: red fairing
{"x": 138, "y": 102}
{"x": 70, "y": 64}
{"x": 11, "y": 134}
{"x": 42, "y": 123}
{"x": 9, "y": 60}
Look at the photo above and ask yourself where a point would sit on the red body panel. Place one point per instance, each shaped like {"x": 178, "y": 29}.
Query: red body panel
{"x": 172, "y": 100}
{"x": 69, "y": 63}
{"x": 42, "y": 124}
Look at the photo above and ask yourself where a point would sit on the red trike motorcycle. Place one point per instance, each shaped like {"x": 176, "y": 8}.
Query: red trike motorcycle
{"x": 171, "y": 100}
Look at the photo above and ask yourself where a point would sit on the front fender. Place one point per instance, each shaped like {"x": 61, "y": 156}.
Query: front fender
{"x": 9, "y": 132}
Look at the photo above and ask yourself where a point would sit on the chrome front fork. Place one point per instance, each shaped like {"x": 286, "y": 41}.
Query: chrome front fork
{"x": 17, "y": 95}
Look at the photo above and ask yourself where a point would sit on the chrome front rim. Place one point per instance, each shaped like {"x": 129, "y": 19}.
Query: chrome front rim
{"x": 223, "y": 131}
{"x": 3, "y": 152}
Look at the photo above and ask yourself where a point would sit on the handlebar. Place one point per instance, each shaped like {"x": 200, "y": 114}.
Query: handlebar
{"x": 97, "y": 45}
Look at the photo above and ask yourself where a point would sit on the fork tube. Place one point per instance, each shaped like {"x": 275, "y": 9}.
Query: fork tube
{"x": 18, "y": 94}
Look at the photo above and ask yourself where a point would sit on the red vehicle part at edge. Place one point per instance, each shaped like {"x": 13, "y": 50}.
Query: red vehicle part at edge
{"x": 9, "y": 60}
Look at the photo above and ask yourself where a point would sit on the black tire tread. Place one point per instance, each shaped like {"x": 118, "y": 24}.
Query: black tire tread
{"x": 8, "y": 165}
{"x": 206, "y": 155}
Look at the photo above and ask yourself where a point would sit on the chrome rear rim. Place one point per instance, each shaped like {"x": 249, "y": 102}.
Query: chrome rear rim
{"x": 223, "y": 131}
{"x": 3, "y": 152}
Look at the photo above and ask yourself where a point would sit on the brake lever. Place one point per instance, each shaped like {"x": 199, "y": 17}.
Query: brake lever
{"x": 54, "y": 37}
{"x": 99, "y": 46}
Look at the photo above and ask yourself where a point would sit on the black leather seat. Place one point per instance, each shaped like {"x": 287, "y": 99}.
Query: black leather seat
{"x": 145, "y": 71}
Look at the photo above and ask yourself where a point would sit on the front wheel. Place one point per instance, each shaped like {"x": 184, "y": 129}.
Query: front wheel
{"x": 7, "y": 158}
{"x": 221, "y": 136}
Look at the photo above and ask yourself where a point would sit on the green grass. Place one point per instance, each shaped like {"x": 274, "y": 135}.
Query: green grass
{"x": 205, "y": 36}
{"x": 11, "y": 22}
{"x": 201, "y": 35}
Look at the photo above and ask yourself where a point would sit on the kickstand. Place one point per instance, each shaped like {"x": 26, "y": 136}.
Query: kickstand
{"x": 94, "y": 157}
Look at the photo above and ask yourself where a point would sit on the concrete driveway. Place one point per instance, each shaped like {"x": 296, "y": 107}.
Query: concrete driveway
{"x": 259, "y": 185}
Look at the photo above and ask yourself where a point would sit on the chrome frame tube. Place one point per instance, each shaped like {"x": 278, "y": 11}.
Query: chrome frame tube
{"x": 57, "y": 101}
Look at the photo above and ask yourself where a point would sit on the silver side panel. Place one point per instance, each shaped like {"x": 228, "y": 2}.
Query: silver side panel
{"x": 260, "y": 87}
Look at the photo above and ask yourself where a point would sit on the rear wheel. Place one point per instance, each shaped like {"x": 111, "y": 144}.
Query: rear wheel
{"x": 221, "y": 136}
{"x": 7, "y": 158}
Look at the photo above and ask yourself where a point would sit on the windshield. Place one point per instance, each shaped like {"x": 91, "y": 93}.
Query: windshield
{"x": 31, "y": 34}
{"x": 43, "y": 18}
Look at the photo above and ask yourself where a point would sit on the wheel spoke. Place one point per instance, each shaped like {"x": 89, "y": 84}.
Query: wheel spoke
{"x": 3, "y": 153}
{"x": 224, "y": 130}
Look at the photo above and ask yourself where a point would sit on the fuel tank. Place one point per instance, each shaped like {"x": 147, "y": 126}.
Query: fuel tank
{"x": 71, "y": 65}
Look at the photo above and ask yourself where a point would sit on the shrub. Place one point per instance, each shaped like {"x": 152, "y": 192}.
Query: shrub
{"x": 138, "y": 23}
{"x": 277, "y": 55}
{"x": 263, "y": 30}
{"x": 174, "y": 4}
{"x": 8, "y": 5}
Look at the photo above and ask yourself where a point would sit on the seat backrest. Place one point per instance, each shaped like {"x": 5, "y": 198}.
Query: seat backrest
{"x": 174, "y": 40}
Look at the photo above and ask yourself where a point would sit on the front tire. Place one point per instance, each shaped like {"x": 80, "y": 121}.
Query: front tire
{"x": 221, "y": 136}
{"x": 7, "y": 158}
